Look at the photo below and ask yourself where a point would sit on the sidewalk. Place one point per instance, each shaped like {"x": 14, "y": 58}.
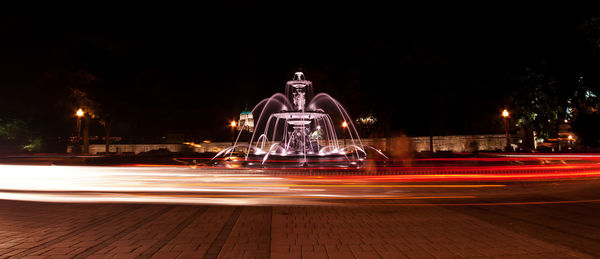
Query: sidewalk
{"x": 41, "y": 230}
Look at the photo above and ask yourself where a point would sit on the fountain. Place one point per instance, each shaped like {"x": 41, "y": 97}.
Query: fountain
{"x": 302, "y": 125}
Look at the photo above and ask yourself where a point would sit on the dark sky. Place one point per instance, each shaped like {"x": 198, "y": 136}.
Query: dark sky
{"x": 172, "y": 67}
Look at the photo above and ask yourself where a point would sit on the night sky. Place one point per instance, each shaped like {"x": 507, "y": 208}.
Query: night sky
{"x": 177, "y": 68}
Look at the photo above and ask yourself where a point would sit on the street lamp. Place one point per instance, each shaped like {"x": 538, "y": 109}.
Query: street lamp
{"x": 79, "y": 113}
{"x": 570, "y": 142}
{"x": 345, "y": 126}
{"x": 505, "y": 115}
{"x": 232, "y": 124}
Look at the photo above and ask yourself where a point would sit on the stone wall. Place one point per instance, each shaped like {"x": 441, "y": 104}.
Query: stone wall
{"x": 461, "y": 143}
{"x": 131, "y": 148}
{"x": 456, "y": 143}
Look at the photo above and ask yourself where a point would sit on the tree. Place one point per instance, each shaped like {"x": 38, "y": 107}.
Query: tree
{"x": 589, "y": 33}
{"x": 584, "y": 112}
{"x": 539, "y": 104}
{"x": 82, "y": 84}
{"x": 80, "y": 80}
{"x": 16, "y": 135}
{"x": 590, "y": 29}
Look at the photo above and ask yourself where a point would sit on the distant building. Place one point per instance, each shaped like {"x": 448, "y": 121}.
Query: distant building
{"x": 246, "y": 121}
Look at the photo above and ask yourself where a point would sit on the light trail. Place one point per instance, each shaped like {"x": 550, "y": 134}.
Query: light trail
{"x": 322, "y": 197}
{"x": 481, "y": 177}
{"x": 362, "y": 185}
{"x": 485, "y": 203}
{"x": 493, "y": 157}
{"x": 189, "y": 185}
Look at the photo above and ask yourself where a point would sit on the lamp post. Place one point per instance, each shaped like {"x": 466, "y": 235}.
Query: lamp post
{"x": 86, "y": 144}
{"x": 505, "y": 115}
{"x": 345, "y": 126}
{"x": 570, "y": 142}
{"x": 79, "y": 113}
{"x": 233, "y": 124}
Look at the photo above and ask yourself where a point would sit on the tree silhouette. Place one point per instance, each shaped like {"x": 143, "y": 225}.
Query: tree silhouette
{"x": 539, "y": 103}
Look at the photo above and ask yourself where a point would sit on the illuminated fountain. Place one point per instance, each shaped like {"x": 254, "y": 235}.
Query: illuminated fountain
{"x": 301, "y": 124}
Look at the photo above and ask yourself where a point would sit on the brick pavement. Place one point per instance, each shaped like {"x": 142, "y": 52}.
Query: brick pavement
{"x": 46, "y": 230}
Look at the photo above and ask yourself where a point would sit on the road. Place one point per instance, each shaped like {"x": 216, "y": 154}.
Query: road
{"x": 186, "y": 212}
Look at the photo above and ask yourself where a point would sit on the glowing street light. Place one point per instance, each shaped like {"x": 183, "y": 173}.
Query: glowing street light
{"x": 570, "y": 137}
{"x": 79, "y": 113}
{"x": 505, "y": 115}
{"x": 233, "y": 124}
{"x": 345, "y": 126}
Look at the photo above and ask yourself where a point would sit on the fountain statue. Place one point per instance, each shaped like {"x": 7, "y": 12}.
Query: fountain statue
{"x": 301, "y": 124}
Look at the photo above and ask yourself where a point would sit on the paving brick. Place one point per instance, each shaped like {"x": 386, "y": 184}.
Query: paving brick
{"x": 263, "y": 232}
